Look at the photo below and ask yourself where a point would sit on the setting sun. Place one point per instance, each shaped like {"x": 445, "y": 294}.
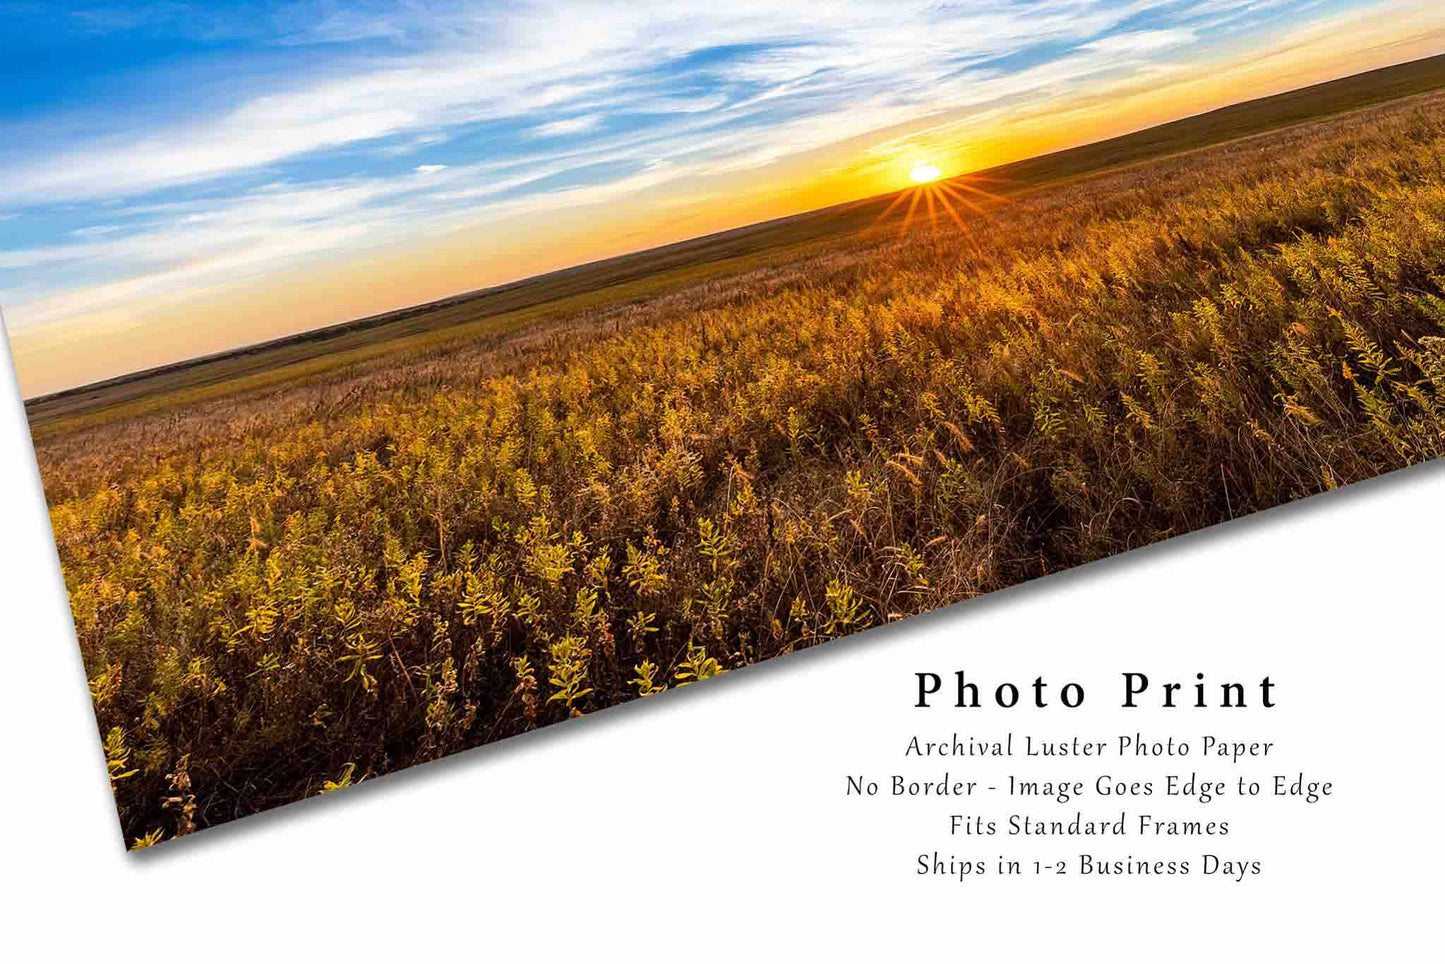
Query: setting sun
{"x": 924, "y": 172}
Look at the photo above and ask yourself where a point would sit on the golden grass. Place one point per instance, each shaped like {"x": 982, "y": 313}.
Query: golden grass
{"x": 241, "y": 374}
{"x": 281, "y": 594}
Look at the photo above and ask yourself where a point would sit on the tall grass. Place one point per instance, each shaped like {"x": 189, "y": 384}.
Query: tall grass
{"x": 288, "y": 594}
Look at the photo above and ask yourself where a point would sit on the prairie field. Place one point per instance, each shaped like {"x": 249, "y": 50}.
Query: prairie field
{"x": 321, "y": 579}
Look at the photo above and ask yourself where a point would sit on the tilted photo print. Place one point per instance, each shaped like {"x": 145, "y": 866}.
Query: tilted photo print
{"x": 403, "y": 378}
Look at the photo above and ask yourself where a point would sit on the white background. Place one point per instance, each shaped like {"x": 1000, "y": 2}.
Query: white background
{"x": 713, "y": 821}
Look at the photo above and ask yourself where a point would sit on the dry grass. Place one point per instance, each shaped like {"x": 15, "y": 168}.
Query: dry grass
{"x": 281, "y": 594}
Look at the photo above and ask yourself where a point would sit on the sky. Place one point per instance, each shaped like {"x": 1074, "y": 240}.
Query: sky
{"x": 181, "y": 178}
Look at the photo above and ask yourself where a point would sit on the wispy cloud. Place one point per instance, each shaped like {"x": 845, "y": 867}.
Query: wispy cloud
{"x": 484, "y": 68}
{"x": 562, "y": 128}
{"x": 1141, "y": 42}
{"x": 96, "y": 230}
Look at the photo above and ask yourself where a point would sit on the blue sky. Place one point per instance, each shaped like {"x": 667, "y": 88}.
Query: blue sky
{"x": 153, "y": 152}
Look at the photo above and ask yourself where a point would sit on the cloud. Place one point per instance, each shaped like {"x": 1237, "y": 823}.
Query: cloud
{"x": 572, "y": 125}
{"x": 96, "y": 230}
{"x": 425, "y": 169}
{"x": 411, "y": 145}
{"x": 1141, "y": 42}
{"x": 482, "y": 67}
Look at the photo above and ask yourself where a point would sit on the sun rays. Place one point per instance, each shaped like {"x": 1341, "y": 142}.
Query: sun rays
{"x": 954, "y": 198}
